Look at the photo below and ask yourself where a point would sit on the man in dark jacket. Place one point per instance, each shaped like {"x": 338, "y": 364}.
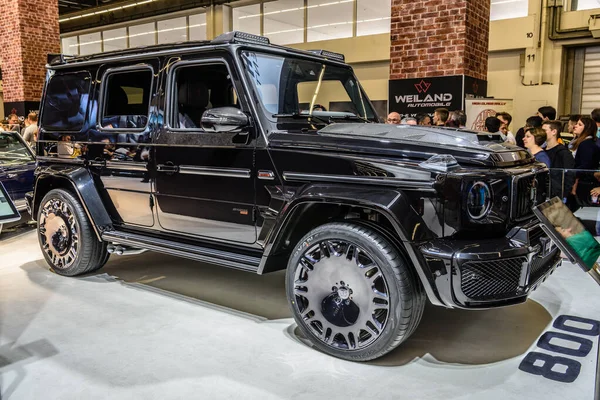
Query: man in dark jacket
{"x": 560, "y": 159}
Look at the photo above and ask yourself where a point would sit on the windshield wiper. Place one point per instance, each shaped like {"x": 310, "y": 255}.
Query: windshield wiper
{"x": 351, "y": 118}
{"x": 302, "y": 116}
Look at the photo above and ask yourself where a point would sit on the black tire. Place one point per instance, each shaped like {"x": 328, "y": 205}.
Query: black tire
{"x": 67, "y": 239}
{"x": 356, "y": 303}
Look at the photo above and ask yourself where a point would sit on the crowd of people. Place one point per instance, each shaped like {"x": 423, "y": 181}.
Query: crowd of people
{"x": 542, "y": 138}
{"x": 28, "y": 129}
{"x": 441, "y": 117}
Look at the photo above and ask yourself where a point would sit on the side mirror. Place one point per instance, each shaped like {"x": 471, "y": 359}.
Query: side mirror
{"x": 224, "y": 119}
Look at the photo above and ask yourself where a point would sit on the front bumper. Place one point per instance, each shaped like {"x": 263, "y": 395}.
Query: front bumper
{"x": 494, "y": 272}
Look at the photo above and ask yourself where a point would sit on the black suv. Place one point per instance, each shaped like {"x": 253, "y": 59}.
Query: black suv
{"x": 261, "y": 158}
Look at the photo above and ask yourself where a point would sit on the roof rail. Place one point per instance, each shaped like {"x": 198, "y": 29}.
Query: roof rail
{"x": 240, "y": 37}
{"x": 329, "y": 54}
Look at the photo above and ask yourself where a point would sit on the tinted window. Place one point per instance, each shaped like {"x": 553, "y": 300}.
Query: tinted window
{"x": 127, "y": 100}
{"x": 66, "y": 102}
{"x": 200, "y": 88}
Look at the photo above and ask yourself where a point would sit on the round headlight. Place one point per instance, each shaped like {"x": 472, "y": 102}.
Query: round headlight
{"x": 479, "y": 201}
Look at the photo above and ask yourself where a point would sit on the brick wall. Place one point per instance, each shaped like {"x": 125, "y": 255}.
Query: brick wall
{"x": 29, "y": 30}
{"x": 439, "y": 38}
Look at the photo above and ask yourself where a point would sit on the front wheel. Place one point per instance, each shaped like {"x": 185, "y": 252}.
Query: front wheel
{"x": 66, "y": 236}
{"x": 352, "y": 293}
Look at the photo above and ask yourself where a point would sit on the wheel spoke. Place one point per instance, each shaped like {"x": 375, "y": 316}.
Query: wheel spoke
{"x": 378, "y": 324}
{"x": 372, "y": 331}
{"x": 324, "y": 250}
{"x": 379, "y": 295}
{"x": 300, "y": 291}
{"x": 311, "y": 260}
{"x": 359, "y": 263}
{"x": 351, "y": 345}
{"x": 328, "y": 339}
{"x": 300, "y": 282}
{"x": 351, "y": 252}
{"x": 332, "y": 251}
{"x": 306, "y": 263}
{"x": 312, "y": 327}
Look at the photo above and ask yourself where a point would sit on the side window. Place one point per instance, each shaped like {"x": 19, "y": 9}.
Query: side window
{"x": 199, "y": 88}
{"x": 127, "y": 100}
{"x": 66, "y": 102}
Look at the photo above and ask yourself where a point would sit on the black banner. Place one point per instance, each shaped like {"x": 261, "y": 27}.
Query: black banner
{"x": 475, "y": 87}
{"x": 424, "y": 95}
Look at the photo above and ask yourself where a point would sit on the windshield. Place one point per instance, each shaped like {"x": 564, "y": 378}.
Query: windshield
{"x": 12, "y": 150}
{"x": 295, "y": 88}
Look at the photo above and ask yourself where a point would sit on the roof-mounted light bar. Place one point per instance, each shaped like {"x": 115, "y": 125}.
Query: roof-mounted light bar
{"x": 57, "y": 59}
{"x": 330, "y": 54}
{"x": 240, "y": 37}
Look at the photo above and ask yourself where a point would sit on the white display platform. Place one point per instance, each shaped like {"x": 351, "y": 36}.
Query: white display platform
{"x": 157, "y": 327}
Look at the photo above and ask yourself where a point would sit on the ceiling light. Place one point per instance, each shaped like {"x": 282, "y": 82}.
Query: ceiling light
{"x": 138, "y": 3}
{"x": 295, "y": 9}
{"x": 138, "y": 34}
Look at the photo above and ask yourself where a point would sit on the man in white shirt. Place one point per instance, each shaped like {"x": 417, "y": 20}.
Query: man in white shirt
{"x": 507, "y": 135}
{"x": 30, "y": 133}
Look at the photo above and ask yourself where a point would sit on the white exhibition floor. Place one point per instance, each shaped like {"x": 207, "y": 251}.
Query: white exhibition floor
{"x": 157, "y": 327}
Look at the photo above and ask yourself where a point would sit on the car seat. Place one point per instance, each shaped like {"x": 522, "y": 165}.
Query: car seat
{"x": 193, "y": 101}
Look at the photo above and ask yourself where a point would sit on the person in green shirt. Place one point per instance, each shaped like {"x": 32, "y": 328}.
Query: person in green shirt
{"x": 584, "y": 244}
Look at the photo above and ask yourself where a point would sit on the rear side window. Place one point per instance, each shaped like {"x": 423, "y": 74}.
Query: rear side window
{"x": 66, "y": 102}
{"x": 127, "y": 99}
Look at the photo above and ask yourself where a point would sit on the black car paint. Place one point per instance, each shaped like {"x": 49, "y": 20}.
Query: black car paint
{"x": 301, "y": 171}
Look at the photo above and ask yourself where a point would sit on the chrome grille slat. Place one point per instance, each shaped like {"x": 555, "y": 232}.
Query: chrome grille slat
{"x": 522, "y": 194}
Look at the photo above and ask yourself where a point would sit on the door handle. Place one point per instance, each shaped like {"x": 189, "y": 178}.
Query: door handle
{"x": 167, "y": 167}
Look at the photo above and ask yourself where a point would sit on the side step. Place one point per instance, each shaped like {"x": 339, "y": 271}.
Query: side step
{"x": 197, "y": 253}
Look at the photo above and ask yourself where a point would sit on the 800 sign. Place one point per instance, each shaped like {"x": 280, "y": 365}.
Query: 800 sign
{"x": 531, "y": 362}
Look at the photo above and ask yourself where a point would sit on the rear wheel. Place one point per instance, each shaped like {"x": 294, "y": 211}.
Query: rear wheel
{"x": 352, "y": 293}
{"x": 66, "y": 236}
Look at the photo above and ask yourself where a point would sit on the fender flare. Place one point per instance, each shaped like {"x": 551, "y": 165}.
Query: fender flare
{"x": 82, "y": 184}
{"x": 393, "y": 204}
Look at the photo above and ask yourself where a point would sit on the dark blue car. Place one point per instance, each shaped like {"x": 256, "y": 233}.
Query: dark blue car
{"x": 17, "y": 164}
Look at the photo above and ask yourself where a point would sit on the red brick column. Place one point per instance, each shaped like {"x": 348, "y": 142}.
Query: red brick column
{"x": 29, "y": 30}
{"x": 439, "y": 38}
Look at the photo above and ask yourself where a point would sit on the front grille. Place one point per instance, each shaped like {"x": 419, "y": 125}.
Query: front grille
{"x": 481, "y": 280}
{"x": 539, "y": 265}
{"x": 528, "y": 191}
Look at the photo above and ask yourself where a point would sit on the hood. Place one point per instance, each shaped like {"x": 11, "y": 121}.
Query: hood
{"x": 409, "y": 141}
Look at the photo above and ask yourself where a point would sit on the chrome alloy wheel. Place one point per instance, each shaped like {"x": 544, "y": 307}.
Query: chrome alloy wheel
{"x": 341, "y": 294}
{"x": 58, "y": 233}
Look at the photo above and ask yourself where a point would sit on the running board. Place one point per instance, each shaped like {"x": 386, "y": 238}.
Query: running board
{"x": 197, "y": 253}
